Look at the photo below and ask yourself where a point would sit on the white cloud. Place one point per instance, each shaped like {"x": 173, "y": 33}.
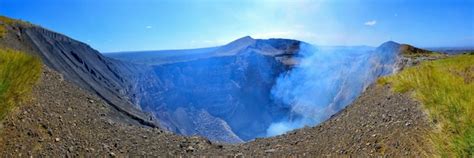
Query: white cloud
{"x": 370, "y": 23}
{"x": 149, "y": 27}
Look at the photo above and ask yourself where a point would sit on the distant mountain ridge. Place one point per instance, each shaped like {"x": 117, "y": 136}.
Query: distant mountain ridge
{"x": 172, "y": 56}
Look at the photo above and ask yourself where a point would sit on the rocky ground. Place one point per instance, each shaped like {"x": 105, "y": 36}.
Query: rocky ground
{"x": 64, "y": 120}
{"x": 379, "y": 123}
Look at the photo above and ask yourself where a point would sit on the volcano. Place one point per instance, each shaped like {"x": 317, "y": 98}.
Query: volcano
{"x": 199, "y": 100}
{"x": 247, "y": 89}
{"x": 252, "y": 88}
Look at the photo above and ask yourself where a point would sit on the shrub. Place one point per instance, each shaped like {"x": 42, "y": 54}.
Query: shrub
{"x": 18, "y": 73}
{"x": 445, "y": 88}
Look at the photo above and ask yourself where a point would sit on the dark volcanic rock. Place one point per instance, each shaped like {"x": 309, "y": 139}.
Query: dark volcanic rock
{"x": 231, "y": 85}
{"x": 110, "y": 79}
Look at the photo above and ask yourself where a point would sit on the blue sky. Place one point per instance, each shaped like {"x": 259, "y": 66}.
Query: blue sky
{"x": 123, "y": 25}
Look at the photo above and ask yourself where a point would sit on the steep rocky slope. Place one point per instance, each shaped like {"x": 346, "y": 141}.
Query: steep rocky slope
{"x": 226, "y": 87}
{"x": 63, "y": 120}
{"x": 110, "y": 79}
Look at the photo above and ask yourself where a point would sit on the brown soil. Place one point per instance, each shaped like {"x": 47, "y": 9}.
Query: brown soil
{"x": 64, "y": 120}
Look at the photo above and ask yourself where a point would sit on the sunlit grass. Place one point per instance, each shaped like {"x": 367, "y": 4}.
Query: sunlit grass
{"x": 18, "y": 73}
{"x": 445, "y": 88}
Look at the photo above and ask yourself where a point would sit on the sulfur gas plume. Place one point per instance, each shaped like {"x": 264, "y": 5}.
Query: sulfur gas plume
{"x": 327, "y": 80}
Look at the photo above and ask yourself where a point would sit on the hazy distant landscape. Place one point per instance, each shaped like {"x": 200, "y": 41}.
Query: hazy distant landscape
{"x": 240, "y": 79}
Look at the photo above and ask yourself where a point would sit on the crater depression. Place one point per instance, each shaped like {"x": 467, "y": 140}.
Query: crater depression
{"x": 252, "y": 88}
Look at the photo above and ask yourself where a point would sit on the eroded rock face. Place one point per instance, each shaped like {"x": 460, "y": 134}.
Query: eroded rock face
{"x": 232, "y": 87}
{"x": 225, "y": 94}
{"x": 110, "y": 79}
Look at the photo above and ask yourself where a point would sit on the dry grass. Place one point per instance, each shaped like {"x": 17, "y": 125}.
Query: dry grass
{"x": 445, "y": 88}
{"x": 18, "y": 73}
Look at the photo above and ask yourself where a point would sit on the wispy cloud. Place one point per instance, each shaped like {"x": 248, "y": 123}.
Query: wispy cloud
{"x": 370, "y": 23}
{"x": 148, "y": 27}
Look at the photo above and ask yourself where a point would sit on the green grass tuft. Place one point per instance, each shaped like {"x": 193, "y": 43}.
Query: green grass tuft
{"x": 445, "y": 88}
{"x": 18, "y": 73}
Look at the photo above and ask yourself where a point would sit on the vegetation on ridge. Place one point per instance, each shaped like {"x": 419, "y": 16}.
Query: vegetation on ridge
{"x": 445, "y": 88}
{"x": 18, "y": 73}
{"x": 413, "y": 52}
{"x": 4, "y": 21}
